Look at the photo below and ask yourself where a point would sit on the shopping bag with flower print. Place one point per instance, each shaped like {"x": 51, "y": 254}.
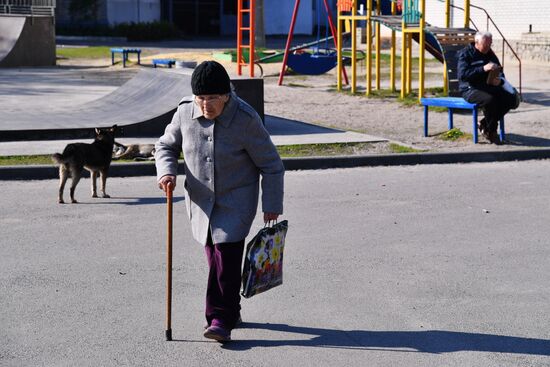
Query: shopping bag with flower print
{"x": 263, "y": 263}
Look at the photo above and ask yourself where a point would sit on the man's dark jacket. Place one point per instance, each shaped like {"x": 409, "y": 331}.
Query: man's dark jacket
{"x": 470, "y": 68}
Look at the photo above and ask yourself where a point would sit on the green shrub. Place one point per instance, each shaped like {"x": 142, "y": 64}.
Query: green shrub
{"x": 453, "y": 134}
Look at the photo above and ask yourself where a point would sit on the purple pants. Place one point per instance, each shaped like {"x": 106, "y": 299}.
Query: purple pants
{"x": 224, "y": 282}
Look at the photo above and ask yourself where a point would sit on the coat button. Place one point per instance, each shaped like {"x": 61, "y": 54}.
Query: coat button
{"x": 209, "y": 138}
{"x": 208, "y": 159}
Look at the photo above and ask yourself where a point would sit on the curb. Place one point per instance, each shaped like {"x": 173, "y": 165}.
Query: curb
{"x": 46, "y": 172}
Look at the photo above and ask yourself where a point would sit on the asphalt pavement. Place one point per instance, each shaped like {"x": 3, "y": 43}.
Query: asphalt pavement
{"x": 429, "y": 265}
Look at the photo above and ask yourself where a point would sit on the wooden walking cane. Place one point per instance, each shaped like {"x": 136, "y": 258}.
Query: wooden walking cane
{"x": 169, "y": 190}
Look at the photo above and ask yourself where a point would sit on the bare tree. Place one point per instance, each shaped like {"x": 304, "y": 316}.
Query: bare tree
{"x": 259, "y": 37}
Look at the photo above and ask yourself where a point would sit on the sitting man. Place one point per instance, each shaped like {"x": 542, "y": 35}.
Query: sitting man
{"x": 475, "y": 64}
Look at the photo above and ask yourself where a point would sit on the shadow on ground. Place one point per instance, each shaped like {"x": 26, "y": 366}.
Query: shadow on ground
{"x": 281, "y": 126}
{"x": 526, "y": 141}
{"x": 429, "y": 341}
{"x": 133, "y": 201}
{"x": 541, "y": 98}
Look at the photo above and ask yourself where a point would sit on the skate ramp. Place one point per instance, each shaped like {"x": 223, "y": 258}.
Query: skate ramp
{"x": 27, "y": 41}
{"x": 142, "y": 106}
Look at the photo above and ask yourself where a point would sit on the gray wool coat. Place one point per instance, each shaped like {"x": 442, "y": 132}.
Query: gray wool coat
{"x": 224, "y": 160}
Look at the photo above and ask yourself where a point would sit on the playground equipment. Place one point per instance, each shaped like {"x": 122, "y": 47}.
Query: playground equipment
{"x": 442, "y": 42}
{"x": 26, "y": 41}
{"x": 321, "y": 60}
{"x": 242, "y": 30}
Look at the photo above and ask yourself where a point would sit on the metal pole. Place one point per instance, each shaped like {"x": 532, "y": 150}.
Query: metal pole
{"x": 333, "y": 32}
{"x": 289, "y": 40}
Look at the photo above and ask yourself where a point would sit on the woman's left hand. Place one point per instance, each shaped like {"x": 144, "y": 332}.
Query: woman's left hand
{"x": 270, "y": 216}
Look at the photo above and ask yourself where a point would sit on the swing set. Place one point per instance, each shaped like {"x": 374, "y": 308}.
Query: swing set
{"x": 322, "y": 58}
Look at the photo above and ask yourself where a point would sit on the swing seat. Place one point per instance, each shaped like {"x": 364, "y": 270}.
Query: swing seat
{"x": 316, "y": 63}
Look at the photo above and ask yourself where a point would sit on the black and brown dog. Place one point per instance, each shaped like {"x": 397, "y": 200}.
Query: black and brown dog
{"x": 95, "y": 157}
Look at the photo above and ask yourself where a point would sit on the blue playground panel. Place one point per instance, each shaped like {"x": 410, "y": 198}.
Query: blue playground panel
{"x": 167, "y": 62}
{"x": 125, "y": 52}
{"x": 455, "y": 103}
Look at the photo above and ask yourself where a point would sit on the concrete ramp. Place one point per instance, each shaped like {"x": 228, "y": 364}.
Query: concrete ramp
{"x": 142, "y": 106}
{"x": 27, "y": 41}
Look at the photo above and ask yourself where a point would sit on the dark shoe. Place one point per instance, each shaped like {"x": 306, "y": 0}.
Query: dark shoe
{"x": 494, "y": 138}
{"x": 218, "y": 333}
{"x": 237, "y": 324}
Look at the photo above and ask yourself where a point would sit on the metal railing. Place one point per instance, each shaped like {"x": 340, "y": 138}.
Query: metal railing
{"x": 28, "y": 7}
{"x": 505, "y": 42}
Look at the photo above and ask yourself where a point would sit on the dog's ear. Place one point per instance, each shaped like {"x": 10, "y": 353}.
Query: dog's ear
{"x": 97, "y": 131}
{"x": 114, "y": 128}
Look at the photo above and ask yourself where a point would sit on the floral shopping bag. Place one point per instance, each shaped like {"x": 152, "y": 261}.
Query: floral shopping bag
{"x": 263, "y": 263}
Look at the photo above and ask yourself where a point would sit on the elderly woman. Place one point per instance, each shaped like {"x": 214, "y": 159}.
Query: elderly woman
{"x": 226, "y": 149}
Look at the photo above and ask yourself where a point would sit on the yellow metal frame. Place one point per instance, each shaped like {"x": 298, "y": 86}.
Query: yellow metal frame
{"x": 406, "y": 48}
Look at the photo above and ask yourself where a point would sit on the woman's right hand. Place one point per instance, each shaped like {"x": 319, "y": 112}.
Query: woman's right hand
{"x": 164, "y": 180}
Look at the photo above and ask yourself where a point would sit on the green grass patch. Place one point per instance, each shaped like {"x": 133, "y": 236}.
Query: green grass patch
{"x": 17, "y": 160}
{"x": 259, "y": 53}
{"x": 397, "y": 148}
{"x": 92, "y": 52}
{"x": 309, "y": 150}
{"x": 455, "y": 134}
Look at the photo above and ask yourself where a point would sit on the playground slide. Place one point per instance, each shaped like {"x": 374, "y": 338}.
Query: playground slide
{"x": 431, "y": 45}
{"x": 26, "y": 41}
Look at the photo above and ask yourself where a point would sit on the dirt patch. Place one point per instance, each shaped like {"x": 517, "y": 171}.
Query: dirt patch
{"x": 314, "y": 99}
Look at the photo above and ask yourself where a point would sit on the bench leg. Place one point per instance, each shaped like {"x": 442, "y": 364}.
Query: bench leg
{"x": 139, "y": 58}
{"x": 425, "y": 121}
{"x": 450, "y": 111}
{"x": 474, "y": 122}
{"x": 502, "y": 133}
{"x": 124, "y": 58}
{"x": 112, "y": 58}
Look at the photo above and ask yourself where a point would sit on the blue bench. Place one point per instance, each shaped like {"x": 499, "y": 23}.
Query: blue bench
{"x": 167, "y": 62}
{"x": 453, "y": 103}
{"x": 125, "y": 52}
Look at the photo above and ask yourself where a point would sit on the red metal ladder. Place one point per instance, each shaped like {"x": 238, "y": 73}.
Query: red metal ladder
{"x": 241, "y": 34}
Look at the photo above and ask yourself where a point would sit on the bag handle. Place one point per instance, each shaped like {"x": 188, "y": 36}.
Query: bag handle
{"x": 268, "y": 223}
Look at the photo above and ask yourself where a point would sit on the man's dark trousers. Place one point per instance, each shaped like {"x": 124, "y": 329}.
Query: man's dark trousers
{"x": 224, "y": 282}
{"x": 494, "y": 101}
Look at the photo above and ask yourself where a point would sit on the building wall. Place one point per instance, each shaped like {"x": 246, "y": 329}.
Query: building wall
{"x": 278, "y": 15}
{"x": 512, "y": 17}
{"x": 86, "y": 17}
{"x": 136, "y": 11}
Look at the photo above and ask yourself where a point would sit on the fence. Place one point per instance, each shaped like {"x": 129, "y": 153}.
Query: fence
{"x": 28, "y": 7}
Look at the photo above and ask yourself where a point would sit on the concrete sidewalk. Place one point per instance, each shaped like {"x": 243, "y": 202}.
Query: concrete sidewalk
{"x": 283, "y": 132}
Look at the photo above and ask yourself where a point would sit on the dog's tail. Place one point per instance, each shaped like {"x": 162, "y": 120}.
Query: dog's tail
{"x": 58, "y": 158}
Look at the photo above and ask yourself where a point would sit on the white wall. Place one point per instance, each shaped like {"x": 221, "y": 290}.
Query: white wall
{"x": 137, "y": 11}
{"x": 278, "y": 15}
{"x": 512, "y": 17}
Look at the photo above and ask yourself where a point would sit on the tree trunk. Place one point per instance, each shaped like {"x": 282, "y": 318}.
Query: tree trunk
{"x": 259, "y": 37}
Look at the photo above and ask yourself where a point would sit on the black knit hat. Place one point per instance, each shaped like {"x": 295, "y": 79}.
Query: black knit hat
{"x": 210, "y": 77}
